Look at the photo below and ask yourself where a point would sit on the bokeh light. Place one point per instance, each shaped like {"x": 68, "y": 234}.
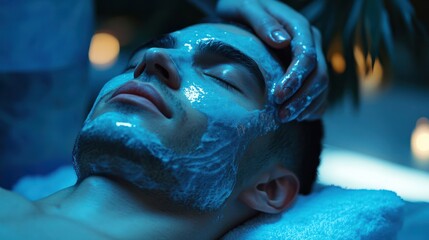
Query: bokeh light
{"x": 353, "y": 170}
{"x": 370, "y": 73}
{"x": 104, "y": 50}
{"x": 420, "y": 141}
{"x": 338, "y": 62}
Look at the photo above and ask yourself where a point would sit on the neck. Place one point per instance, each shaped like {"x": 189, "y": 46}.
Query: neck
{"x": 119, "y": 210}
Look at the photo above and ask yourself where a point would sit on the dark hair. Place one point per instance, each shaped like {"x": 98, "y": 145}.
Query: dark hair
{"x": 294, "y": 145}
{"x": 298, "y": 146}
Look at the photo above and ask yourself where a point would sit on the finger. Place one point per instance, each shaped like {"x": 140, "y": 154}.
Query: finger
{"x": 321, "y": 61}
{"x": 309, "y": 94}
{"x": 265, "y": 25}
{"x": 302, "y": 65}
{"x": 295, "y": 23}
{"x": 315, "y": 110}
{"x": 291, "y": 111}
{"x": 304, "y": 56}
{"x": 319, "y": 105}
{"x": 314, "y": 90}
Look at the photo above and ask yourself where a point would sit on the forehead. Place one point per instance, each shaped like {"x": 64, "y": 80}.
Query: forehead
{"x": 241, "y": 39}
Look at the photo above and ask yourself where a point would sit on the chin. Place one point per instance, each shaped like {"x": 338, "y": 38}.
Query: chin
{"x": 138, "y": 157}
{"x": 183, "y": 188}
{"x": 103, "y": 146}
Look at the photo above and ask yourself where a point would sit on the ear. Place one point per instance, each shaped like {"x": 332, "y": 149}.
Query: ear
{"x": 273, "y": 191}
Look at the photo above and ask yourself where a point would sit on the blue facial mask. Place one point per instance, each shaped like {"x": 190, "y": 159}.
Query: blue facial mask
{"x": 202, "y": 177}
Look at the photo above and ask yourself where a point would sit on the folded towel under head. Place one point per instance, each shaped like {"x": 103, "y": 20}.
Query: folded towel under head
{"x": 329, "y": 213}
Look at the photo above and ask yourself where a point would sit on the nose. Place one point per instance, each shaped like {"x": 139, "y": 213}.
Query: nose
{"x": 157, "y": 61}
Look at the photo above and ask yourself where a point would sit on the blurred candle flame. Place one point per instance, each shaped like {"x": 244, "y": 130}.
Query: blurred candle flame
{"x": 338, "y": 62}
{"x": 370, "y": 75}
{"x": 420, "y": 140}
{"x": 104, "y": 50}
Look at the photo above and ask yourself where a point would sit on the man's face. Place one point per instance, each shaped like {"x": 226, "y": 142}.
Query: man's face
{"x": 181, "y": 118}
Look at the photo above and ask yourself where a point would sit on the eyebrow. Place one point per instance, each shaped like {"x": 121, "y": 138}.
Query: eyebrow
{"x": 233, "y": 54}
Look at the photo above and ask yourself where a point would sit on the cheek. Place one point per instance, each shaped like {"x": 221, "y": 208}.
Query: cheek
{"x": 206, "y": 97}
{"x": 223, "y": 109}
{"x": 185, "y": 134}
{"x": 110, "y": 86}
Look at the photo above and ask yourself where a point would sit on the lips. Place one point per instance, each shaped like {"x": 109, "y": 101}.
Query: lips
{"x": 143, "y": 95}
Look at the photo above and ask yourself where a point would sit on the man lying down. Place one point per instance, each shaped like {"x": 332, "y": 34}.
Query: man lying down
{"x": 183, "y": 145}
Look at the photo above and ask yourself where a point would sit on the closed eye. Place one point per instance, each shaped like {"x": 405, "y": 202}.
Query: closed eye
{"x": 224, "y": 83}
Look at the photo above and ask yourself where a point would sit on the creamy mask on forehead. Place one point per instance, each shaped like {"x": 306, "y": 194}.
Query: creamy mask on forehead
{"x": 116, "y": 142}
{"x": 242, "y": 40}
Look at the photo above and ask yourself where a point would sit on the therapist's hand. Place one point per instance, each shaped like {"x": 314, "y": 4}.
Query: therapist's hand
{"x": 301, "y": 93}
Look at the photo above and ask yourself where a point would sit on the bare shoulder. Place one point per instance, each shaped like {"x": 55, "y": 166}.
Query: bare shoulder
{"x": 14, "y": 205}
{"x": 13, "y": 208}
{"x": 41, "y": 226}
{"x": 20, "y": 218}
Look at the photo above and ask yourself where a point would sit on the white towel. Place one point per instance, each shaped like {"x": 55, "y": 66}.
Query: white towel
{"x": 331, "y": 213}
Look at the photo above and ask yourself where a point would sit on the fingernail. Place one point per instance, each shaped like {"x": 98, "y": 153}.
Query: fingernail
{"x": 283, "y": 94}
{"x": 279, "y": 36}
{"x": 284, "y": 115}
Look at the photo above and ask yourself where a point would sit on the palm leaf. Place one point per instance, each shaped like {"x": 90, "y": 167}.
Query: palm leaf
{"x": 370, "y": 24}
